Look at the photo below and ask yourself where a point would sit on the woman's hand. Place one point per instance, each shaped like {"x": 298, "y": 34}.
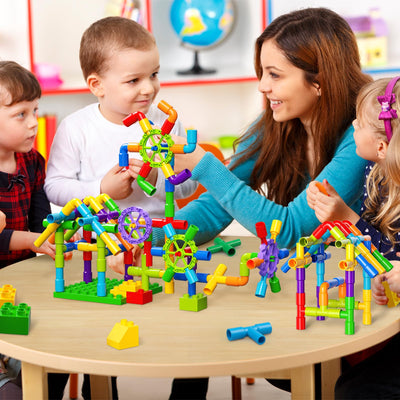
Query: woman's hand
{"x": 187, "y": 160}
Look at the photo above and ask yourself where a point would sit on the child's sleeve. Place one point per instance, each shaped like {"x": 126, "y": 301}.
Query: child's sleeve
{"x": 64, "y": 165}
{"x": 40, "y": 206}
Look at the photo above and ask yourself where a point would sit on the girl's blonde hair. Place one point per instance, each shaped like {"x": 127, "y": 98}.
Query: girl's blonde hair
{"x": 382, "y": 205}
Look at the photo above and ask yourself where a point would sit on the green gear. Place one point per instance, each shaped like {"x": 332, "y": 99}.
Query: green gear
{"x": 152, "y": 142}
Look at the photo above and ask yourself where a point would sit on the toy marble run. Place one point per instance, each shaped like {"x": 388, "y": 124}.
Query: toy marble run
{"x": 359, "y": 251}
{"x": 157, "y": 148}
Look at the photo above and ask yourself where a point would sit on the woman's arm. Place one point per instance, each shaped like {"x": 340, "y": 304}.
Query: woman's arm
{"x": 229, "y": 196}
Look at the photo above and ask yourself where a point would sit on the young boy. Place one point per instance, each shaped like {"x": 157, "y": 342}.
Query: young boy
{"x": 120, "y": 63}
{"x": 22, "y": 169}
{"x": 22, "y": 198}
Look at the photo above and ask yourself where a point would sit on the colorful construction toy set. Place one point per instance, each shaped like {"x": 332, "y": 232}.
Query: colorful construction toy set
{"x": 102, "y": 217}
{"x": 13, "y": 318}
{"x": 359, "y": 251}
{"x": 133, "y": 227}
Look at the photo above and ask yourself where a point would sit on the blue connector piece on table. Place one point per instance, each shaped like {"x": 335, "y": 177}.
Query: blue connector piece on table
{"x": 255, "y": 332}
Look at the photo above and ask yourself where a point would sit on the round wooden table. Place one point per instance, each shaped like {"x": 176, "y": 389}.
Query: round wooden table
{"x": 71, "y": 335}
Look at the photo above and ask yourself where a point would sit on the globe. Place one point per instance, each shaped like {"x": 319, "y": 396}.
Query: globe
{"x": 200, "y": 25}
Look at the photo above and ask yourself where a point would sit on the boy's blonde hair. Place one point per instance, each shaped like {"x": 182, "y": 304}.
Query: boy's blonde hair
{"x": 383, "y": 183}
{"x": 107, "y": 35}
{"x": 18, "y": 82}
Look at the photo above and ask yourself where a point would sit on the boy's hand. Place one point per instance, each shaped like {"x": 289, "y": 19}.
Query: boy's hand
{"x": 117, "y": 183}
{"x": 2, "y": 221}
{"x": 117, "y": 264}
{"x": 46, "y": 248}
{"x": 378, "y": 291}
{"x": 331, "y": 207}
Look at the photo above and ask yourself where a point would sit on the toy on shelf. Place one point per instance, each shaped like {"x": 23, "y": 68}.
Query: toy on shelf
{"x": 157, "y": 148}
{"x": 227, "y": 247}
{"x": 359, "y": 251}
{"x": 124, "y": 334}
{"x": 255, "y": 332}
{"x": 267, "y": 258}
{"x": 372, "y": 38}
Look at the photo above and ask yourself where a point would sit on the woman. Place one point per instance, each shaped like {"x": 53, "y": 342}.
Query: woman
{"x": 308, "y": 67}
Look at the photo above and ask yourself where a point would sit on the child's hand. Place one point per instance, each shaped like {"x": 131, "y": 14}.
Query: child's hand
{"x": 312, "y": 192}
{"x": 117, "y": 183}
{"x": 117, "y": 264}
{"x": 2, "y": 221}
{"x": 46, "y": 248}
{"x": 393, "y": 277}
{"x": 331, "y": 207}
{"x": 378, "y": 291}
{"x": 135, "y": 167}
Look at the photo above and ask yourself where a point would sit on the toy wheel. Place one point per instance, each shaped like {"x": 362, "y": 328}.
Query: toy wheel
{"x": 154, "y": 145}
{"x": 177, "y": 251}
{"x": 134, "y": 225}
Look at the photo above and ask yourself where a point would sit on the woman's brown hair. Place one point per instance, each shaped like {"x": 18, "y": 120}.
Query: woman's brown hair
{"x": 321, "y": 43}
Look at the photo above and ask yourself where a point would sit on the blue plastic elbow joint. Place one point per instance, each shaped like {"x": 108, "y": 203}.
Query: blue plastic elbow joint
{"x": 192, "y": 141}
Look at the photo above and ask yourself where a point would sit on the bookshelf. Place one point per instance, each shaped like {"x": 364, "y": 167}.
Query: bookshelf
{"x": 48, "y": 31}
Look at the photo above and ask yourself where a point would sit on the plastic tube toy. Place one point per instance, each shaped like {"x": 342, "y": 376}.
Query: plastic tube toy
{"x": 157, "y": 144}
{"x": 268, "y": 257}
{"x": 227, "y": 247}
{"x": 255, "y": 332}
{"x": 357, "y": 253}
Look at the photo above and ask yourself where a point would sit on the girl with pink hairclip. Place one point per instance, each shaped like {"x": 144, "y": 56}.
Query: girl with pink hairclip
{"x": 377, "y": 138}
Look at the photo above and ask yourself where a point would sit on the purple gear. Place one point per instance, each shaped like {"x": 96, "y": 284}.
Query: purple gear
{"x": 134, "y": 216}
{"x": 268, "y": 251}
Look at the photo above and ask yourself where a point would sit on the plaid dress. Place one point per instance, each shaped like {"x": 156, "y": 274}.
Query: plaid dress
{"x": 24, "y": 202}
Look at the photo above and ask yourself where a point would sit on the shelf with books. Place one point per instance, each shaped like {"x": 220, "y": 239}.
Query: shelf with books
{"x": 47, "y": 126}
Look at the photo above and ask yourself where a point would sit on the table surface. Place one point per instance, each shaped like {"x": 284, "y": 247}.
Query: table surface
{"x": 71, "y": 335}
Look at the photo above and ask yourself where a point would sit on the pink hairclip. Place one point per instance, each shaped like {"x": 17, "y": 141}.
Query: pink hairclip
{"x": 386, "y": 101}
